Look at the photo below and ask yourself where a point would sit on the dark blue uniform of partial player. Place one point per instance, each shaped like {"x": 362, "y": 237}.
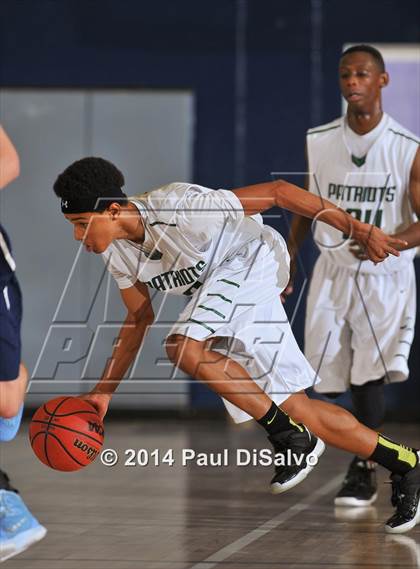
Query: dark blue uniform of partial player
{"x": 10, "y": 317}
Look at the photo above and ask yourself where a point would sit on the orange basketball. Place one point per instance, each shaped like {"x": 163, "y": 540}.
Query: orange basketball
{"x": 66, "y": 433}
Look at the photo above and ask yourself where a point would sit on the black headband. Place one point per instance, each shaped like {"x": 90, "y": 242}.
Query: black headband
{"x": 84, "y": 205}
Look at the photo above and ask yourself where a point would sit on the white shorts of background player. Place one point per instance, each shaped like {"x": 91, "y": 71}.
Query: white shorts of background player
{"x": 359, "y": 331}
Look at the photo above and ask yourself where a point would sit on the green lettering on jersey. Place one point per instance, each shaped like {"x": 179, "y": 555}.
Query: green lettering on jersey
{"x": 357, "y": 214}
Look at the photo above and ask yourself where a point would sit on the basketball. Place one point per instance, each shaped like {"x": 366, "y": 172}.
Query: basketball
{"x": 66, "y": 433}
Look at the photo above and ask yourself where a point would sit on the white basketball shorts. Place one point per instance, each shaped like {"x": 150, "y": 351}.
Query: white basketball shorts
{"x": 359, "y": 327}
{"x": 239, "y": 303}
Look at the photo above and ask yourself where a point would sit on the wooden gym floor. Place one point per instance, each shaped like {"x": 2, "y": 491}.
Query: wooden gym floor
{"x": 174, "y": 517}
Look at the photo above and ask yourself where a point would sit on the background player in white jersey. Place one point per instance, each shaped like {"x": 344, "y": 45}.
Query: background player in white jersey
{"x": 360, "y": 316}
{"x": 213, "y": 246}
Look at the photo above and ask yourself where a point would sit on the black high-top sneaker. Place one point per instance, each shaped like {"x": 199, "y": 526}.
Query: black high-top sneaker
{"x": 406, "y": 499}
{"x": 359, "y": 487}
{"x": 297, "y": 453}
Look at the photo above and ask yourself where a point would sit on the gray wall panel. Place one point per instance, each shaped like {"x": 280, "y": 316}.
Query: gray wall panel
{"x": 149, "y": 137}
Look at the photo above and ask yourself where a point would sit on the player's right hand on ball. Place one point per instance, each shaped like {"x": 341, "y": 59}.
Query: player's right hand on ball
{"x": 100, "y": 401}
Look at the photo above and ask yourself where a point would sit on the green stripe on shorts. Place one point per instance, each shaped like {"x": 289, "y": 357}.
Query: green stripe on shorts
{"x": 212, "y": 309}
{"x": 228, "y": 282}
{"x": 162, "y": 223}
{"x": 202, "y": 324}
{"x": 221, "y": 296}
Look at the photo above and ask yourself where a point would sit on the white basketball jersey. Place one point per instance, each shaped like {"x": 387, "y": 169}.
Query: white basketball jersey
{"x": 189, "y": 230}
{"x": 372, "y": 187}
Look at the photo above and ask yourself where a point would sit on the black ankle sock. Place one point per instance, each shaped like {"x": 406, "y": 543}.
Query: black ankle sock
{"x": 5, "y": 483}
{"x": 397, "y": 458}
{"x": 276, "y": 420}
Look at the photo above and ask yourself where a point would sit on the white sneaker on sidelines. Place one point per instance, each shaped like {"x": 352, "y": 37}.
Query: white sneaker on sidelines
{"x": 19, "y": 529}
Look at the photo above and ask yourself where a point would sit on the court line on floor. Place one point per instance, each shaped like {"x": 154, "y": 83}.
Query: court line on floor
{"x": 268, "y": 526}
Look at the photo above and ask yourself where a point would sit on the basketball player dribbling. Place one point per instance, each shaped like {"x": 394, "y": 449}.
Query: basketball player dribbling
{"x": 360, "y": 316}
{"x": 212, "y": 246}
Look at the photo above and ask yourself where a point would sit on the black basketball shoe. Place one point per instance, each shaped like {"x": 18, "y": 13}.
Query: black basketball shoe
{"x": 297, "y": 453}
{"x": 406, "y": 499}
{"x": 359, "y": 487}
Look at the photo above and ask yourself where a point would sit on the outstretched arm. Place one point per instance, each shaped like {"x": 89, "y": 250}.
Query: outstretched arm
{"x": 260, "y": 197}
{"x": 9, "y": 160}
{"x": 139, "y": 317}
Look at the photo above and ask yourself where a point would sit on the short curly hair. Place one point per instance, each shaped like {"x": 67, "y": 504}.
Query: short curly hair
{"x": 372, "y": 51}
{"x": 90, "y": 177}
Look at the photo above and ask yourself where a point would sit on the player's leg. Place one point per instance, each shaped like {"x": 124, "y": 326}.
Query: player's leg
{"x": 360, "y": 487}
{"x": 13, "y": 374}
{"x": 369, "y": 403}
{"x": 222, "y": 374}
{"x": 240, "y": 302}
{"x": 339, "y": 428}
{"x": 231, "y": 381}
{"x": 18, "y": 527}
{"x": 328, "y": 346}
{"x": 12, "y": 394}
{"x": 382, "y": 319}
{"x": 331, "y": 423}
